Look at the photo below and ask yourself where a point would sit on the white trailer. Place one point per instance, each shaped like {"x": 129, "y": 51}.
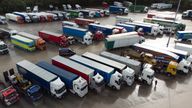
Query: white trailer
{"x": 145, "y": 74}
{"x": 164, "y": 6}
{"x": 123, "y": 40}
{"x": 184, "y": 47}
{"x": 123, "y": 19}
{"x": 15, "y": 18}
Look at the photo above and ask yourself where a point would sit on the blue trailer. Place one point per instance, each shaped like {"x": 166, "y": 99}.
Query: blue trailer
{"x": 129, "y": 28}
{"x": 108, "y": 73}
{"x": 184, "y": 35}
{"x": 70, "y": 79}
{"x": 48, "y": 81}
{"x": 82, "y": 35}
{"x": 24, "y": 16}
{"x": 118, "y": 10}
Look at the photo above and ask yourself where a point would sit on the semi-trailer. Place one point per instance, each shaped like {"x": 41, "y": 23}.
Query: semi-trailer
{"x": 75, "y": 14}
{"x": 39, "y": 42}
{"x": 123, "y": 19}
{"x": 106, "y": 71}
{"x": 129, "y": 28}
{"x": 24, "y": 16}
{"x": 95, "y": 81}
{"x": 100, "y": 12}
{"x": 3, "y": 48}
{"x": 14, "y": 18}
{"x": 184, "y": 35}
{"x": 118, "y": 10}
{"x": 80, "y": 34}
{"x": 74, "y": 83}
{"x": 45, "y": 79}
{"x": 57, "y": 38}
{"x": 87, "y": 13}
{"x": 141, "y": 73}
{"x": 85, "y": 22}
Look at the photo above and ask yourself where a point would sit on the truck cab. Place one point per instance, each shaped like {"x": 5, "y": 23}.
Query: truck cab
{"x": 57, "y": 88}
{"x": 80, "y": 86}
{"x": 128, "y": 76}
{"x": 147, "y": 74}
{"x": 184, "y": 66}
{"x": 116, "y": 80}
{"x": 3, "y": 48}
{"x": 3, "y": 20}
{"x": 87, "y": 39}
{"x": 187, "y": 14}
{"x": 97, "y": 82}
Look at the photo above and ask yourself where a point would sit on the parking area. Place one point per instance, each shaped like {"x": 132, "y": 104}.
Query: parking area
{"x": 169, "y": 93}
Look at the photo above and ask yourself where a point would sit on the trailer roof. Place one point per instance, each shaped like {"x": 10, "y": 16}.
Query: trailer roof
{"x": 122, "y": 59}
{"x": 38, "y": 71}
{"x": 28, "y": 35}
{"x": 104, "y": 60}
{"x": 184, "y": 31}
{"x": 121, "y": 24}
{"x": 103, "y": 26}
{"x": 84, "y": 19}
{"x": 92, "y": 63}
{"x": 158, "y": 19}
{"x": 56, "y": 70}
{"x": 21, "y": 38}
{"x": 73, "y": 65}
{"x": 157, "y": 50}
{"x": 183, "y": 45}
{"x": 51, "y": 33}
{"x": 140, "y": 24}
{"x": 80, "y": 29}
{"x": 122, "y": 36}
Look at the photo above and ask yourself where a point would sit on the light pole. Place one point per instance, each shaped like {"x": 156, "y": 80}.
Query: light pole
{"x": 174, "y": 21}
{"x": 135, "y": 5}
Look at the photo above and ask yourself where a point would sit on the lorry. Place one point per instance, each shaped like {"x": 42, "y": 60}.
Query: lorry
{"x": 48, "y": 17}
{"x": 184, "y": 35}
{"x": 49, "y": 82}
{"x": 64, "y": 14}
{"x": 25, "y": 17}
{"x": 53, "y": 37}
{"x": 167, "y": 62}
{"x": 184, "y": 47}
{"x": 3, "y": 48}
{"x": 122, "y": 19}
{"x": 120, "y": 29}
{"x": 138, "y": 8}
{"x": 161, "y": 6}
{"x": 123, "y": 40}
{"x": 8, "y": 95}
{"x": 170, "y": 25}
{"x": 6, "y": 33}
{"x": 102, "y": 29}
{"x": 14, "y": 18}
{"x": 23, "y": 43}
{"x": 145, "y": 28}
{"x": 24, "y": 87}
{"x": 59, "y": 14}
{"x": 40, "y": 17}
{"x": 104, "y": 70}
{"x": 34, "y": 17}
{"x": 69, "y": 23}
{"x": 75, "y": 14}
{"x": 187, "y": 14}
{"x": 39, "y": 42}
{"x": 94, "y": 81}
{"x": 100, "y": 12}
{"x": 80, "y": 34}
{"x": 118, "y": 10}
{"x": 73, "y": 82}
{"x": 87, "y": 13}
{"x": 3, "y": 20}
{"x": 84, "y": 22}
{"x": 144, "y": 74}
{"x": 129, "y": 28}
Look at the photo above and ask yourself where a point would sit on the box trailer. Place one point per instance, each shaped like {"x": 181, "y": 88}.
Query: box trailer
{"x": 72, "y": 81}
{"x": 118, "y": 10}
{"x": 129, "y": 28}
{"x": 14, "y": 18}
{"x": 48, "y": 81}
{"x": 123, "y": 19}
{"x": 100, "y": 12}
{"x": 184, "y": 47}
{"x": 94, "y": 80}
{"x": 184, "y": 35}
{"x": 39, "y": 42}
{"x": 24, "y": 16}
{"x": 123, "y": 40}
{"x": 75, "y": 13}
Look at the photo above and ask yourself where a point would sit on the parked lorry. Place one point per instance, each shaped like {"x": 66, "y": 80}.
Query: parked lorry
{"x": 50, "y": 16}
{"x": 102, "y": 30}
{"x": 118, "y": 10}
{"x": 144, "y": 74}
{"x": 120, "y": 29}
{"x": 65, "y": 14}
{"x": 6, "y": 33}
{"x": 102, "y": 69}
{"x": 129, "y": 28}
{"x": 80, "y": 34}
{"x": 8, "y": 95}
{"x": 53, "y": 37}
{"x": 24, "y": 87}
{"x": 69, "y": 23}
{"x": 100, "y": 12}
{"x": 184, "y": 47}
{"x": 187, "y": 14}
{"x": 73, "y": 82}
{"x": 3, "y": 48}
{"x": 95, "y": 81}
{"x": 123, "y": 40}
{"x": 123, "y": 19}
{"x": 59, "y": 14}
{"x": 24, "y": 16}
{"x": 138, "y": 8}
{"x": 167, "y": 61}
{"x": 87, "y": 13}
{"x": 34, "y": 18}
{"x": 171, "y": 26}
{"x": 184, "y": 35}
{"x": 161, "y": 6}
{"x": 85, "y": 22}
{"x": 3, "y": 20}
{"x": 39, "y": 42}
{"x": 40, "y": 17}
{"x": 146, "y": 28}
{"x": 14, "y": 18}
{"x": 75, "y": 14}
{"x": 23, "y": 43}
{"x": 45, "y": 79}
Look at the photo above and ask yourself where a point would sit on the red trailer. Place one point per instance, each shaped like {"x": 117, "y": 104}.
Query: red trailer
{"x": 84, "y": 22}
{"x": 54, "y": 37}
{"x": 74, "y": 67}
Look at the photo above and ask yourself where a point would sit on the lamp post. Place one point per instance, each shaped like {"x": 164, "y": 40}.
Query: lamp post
{"x": 174, "y": 21}
{"x": 135, "y": 5}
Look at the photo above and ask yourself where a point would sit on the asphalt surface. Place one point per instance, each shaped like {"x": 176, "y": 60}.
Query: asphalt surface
{"x": 169, "y": 93}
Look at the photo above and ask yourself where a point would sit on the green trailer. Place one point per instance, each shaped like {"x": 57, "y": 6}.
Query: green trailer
{"x": 138, "y": 8}
{"x": 174, "y": 25}
{"x": 75, "y": 13}
{"x": 23, "y": 43}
